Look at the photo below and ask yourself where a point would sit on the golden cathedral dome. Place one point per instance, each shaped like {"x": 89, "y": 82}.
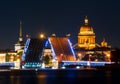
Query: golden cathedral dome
{"x": 86, "y": 36}
{"x": 86, "y": 28}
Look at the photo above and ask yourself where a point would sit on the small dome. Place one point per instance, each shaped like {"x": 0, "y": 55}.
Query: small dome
{"x": 86, "y": 28}
{"x": 104, "y": 43}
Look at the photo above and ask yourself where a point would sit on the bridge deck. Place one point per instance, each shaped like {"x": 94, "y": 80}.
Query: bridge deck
{"x": 85, "y": 63}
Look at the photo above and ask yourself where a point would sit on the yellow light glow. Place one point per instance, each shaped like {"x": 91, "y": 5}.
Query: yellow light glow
{"x": 61, "y": 54}
{"x": 79, "y": 54}
{"x": 42, "y": 36}
{"x": 2, "y": 54}
{"x": 108, "y": 55}
{"x": 86, "y": 36}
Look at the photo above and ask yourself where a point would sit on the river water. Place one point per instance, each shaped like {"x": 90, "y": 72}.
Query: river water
{"x": 60, "y": 76}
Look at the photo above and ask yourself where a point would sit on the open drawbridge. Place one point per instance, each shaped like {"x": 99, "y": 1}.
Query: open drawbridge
{"x": 62, "y": 48}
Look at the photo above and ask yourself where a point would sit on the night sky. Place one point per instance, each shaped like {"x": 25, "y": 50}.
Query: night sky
{"x": 59, "y": 17}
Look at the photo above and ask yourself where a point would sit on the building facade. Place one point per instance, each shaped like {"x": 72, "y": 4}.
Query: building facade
{"x": 86, "y": 36}
{"x": 87, "y": 48}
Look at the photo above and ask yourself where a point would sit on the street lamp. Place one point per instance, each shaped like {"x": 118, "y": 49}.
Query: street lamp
{"x": 79, "y": 56}
{"x": 88, "y": 63}
{"x": 90, "y": 57}
{"x": 61, "y": 55}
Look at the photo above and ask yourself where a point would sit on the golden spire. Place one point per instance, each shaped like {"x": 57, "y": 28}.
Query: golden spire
{"x": 20, "y": 33}
{"x": 86, "y": 20}
{"x": 20, "y": 28}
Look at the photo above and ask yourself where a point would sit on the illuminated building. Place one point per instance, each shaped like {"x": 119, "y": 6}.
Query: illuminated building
{"x": 19, "y": 48}
{"x": 13, "y": 56}
{"x": 87, "y": 45}
{"x": 2, "y": 57}
{"x": 8, "y": 59}
{"x": 20, "y": 44}
{"x": 7, "y": 56}
{"x": 86, "y": 36}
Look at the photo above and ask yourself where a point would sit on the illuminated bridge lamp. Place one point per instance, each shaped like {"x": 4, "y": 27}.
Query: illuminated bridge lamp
{"x": 79, "y": 54}
{"x": 88, "y": 63}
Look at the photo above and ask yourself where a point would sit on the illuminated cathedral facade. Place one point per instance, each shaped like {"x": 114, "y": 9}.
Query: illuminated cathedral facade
{"x": 87, "y": 45}
{"x": 86, "y": 36}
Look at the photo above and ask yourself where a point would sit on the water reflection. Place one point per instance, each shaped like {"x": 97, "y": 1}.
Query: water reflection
{"x": 60, "y": 77}
{"x": 23, "y": 79}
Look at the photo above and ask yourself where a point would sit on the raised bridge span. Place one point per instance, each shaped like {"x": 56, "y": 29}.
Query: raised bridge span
{"x": 62, "y": 48}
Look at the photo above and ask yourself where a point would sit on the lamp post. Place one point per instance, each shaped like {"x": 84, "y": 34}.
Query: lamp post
{"x": 90, "y": 57}
{"x": 61, "y": 55}
{"x": 88, "y": 63}
{"x": 79, "y": 56}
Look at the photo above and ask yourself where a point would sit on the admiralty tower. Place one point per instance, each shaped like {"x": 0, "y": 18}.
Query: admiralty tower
{"x": 20, "y": 44}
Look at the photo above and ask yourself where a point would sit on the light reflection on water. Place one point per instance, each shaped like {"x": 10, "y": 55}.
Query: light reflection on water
{"x": 60, "y": 77}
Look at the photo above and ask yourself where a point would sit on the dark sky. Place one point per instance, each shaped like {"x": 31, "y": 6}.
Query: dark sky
{"x": 59, "y": 17}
